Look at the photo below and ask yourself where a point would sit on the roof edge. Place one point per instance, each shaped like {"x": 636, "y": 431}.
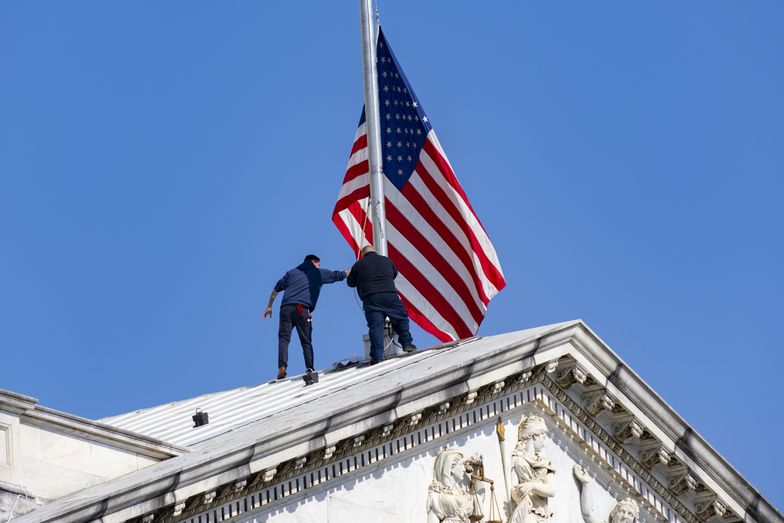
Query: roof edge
{"x": 686, "y": 439}
{"x": 28, "y": 410}
{"x": 247, "y": 453}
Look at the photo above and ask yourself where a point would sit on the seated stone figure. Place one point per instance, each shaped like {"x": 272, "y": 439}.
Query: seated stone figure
{"x": 449, "y": 499}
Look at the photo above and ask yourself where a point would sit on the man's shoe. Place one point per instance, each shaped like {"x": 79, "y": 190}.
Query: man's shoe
{"x": 281, "y": 373}
{"x": 410, "y": 347}
{"x": 310, "y": 377}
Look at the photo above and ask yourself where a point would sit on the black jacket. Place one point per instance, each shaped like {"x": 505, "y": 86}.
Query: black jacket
{"x": 373, "y": 274}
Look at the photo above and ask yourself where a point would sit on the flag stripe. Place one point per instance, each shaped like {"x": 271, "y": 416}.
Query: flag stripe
{"x": 363, "y": 221}
{"x": 438, "y": 277}
{"x": 355, "y": 171}
{"x": 411, "y": 294}
{"x": 354, "y": 185}
{"x": 436, "y": 259}
{"x": 434, "y": 162}
{"x": 351, "y": 227}
{"x": 433, "y": 148}
{"x": 344, "y": 202}
{"x": 457, "y": 247}
{"x": 422, "y": 320}
{"x": 434, "y": 297}
{"x": 447, "y": 204}
{"x": 360, "y": 143}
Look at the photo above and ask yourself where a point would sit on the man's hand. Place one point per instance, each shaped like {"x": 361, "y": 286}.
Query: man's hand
{"x": 348, "y": 271}
{"x": 268, "y": 312}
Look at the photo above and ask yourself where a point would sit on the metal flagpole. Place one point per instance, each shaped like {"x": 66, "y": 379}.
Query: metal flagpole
{"x": 372, "y": 121}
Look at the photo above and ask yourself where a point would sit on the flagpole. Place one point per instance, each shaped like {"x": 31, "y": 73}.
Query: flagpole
{"x": 372, "y": 121}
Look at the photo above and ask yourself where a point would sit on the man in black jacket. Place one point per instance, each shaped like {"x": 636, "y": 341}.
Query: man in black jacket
{"x": 374, "y": 277}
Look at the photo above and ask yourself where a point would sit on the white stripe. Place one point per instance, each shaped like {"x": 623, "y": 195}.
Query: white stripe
{"x": 359, "y": 156}
{"x": 432, "y": 202}
{"x": 420, "y": 224}
{"x": 354, "y": 159}
{"x": 437, "y": 144}
{"x": 362, "y": 129}
{"x": 464, "y": 210}
{"x": 353, "y": 185}
{"x": 432, "y": 275}
{"x": 354, "y": 227}
{"x": 422, "y": 305}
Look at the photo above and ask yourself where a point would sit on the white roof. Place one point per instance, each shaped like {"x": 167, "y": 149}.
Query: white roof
{"x": 231, "y": 409}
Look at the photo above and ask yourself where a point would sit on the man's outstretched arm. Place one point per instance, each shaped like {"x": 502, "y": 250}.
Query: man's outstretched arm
{"x": 333, "y": 276}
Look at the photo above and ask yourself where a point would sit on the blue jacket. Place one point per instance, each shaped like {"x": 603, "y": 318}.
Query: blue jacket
{"x": 302, "y": 284}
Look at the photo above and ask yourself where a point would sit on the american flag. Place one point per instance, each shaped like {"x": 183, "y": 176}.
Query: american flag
{"x": 448, "y": 269}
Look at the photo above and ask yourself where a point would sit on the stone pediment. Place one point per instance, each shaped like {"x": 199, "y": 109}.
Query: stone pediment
{"x": 540, "y": 425}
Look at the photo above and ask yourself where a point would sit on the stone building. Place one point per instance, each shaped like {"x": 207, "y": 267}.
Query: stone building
{"x": 545, "y": 424}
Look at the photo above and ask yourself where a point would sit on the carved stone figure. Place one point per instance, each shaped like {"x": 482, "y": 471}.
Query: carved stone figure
{"x": 449, "y": 498}
{"x": 625, "y": 511}
{"x": 535, "y": 475}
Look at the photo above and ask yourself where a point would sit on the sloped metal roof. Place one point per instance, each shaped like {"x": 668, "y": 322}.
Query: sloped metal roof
{"x": 255, "y": 428}
{"x": 232, "y": 409}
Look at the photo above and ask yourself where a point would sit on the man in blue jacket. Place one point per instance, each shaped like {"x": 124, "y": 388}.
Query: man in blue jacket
{"x": 301, "y": 286}
{"x": 374, "y": 277}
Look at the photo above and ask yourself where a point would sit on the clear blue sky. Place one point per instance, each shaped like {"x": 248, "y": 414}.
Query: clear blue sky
{"x": 163, "y": 163}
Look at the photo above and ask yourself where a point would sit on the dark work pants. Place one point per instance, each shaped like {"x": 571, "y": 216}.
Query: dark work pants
{"x": 377, "y": 308}
{"x": 290, "y": 318}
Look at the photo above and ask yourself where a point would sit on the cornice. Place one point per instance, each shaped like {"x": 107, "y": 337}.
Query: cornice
{"x": 544, "y": 392}
{"x": 465, "y": 412}
{"x": 29, "y": 411}
{"x": 685, "y": 443}
{"x": 568, "y": 361}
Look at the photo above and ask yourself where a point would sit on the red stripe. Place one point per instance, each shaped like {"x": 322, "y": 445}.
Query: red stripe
{"x": 363, "y": 219}
{"x": 421, "y": 244}
{"x": 420, "y": 319}
{"x": 418, "y": 203}
{"x": 344, "y": 230}
{"x": 360, "y": 216}
{"x": 427, "y": 290}
{"x": 489, "y": 269}
{"x": 361, "y": 143}
{"x": 355, "y": 171}
{"x": 449, "y": 175}
{"x": 352, "y": 197}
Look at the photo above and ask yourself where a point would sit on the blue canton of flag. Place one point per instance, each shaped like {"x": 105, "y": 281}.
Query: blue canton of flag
{"x": 404, "y": 124}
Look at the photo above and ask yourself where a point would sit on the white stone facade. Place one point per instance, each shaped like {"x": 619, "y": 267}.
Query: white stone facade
{"x": 389, "y": 482}
{"x": 416, "y": 439}
{"x": 45, "y": 455}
